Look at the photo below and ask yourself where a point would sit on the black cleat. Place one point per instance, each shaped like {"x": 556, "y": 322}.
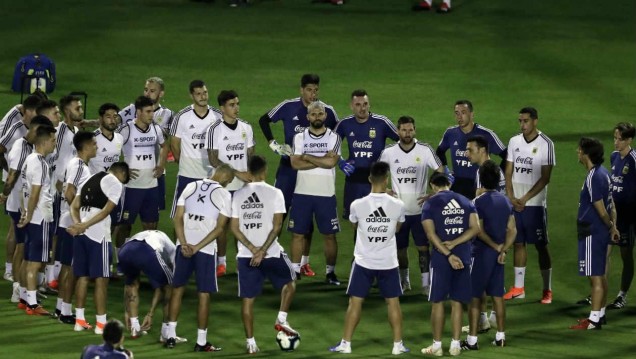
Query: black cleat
{"x": 619, "y": 303}
{"x": 465, "y": 346}
{"x": 332, "y": 279}
{"x": 585, "y": 301}
{"x": 208, "y": 347}
{"x": 171, "y": 343}
{"x": 499, "y": 343}
{"x": 66, "y": 319}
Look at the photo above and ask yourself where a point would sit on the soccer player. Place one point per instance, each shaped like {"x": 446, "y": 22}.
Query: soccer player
{"x": 257, "y": 218}
{"x": 477, "y": 153}
{"x": 455, "y": 137}
{"x": 528, "y": 170}
{"x": 410, "y": 162}
{"x": 623, "y": 164}
{"x": 497, "y": 235}
{"x": 596, "y": 225}
{"x": 450, "y": 221}
{"x": 112, "y": 348}
{"x": 151, "y": 252}
{"x": 14, "y": 125}
{"x": 92, "y": 250}
{"x": 316, "y": 153}
{"x": 109, "y": 143}
{"x": 37, "y": 215}
{"x": 366, "y": 134}
{"x": 202, "y": 212}
{"x": 141, "y": 136}
{"x": 426, "y": 5}
{"x": 293, "y": 114}
{"x": 50, "y": 110}
{"x": 77, "y": 172}
{"x": 376, "y": 218}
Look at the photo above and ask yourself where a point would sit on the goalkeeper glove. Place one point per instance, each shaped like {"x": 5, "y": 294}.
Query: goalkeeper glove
{"x": 449, "y": 174}
{"x": 346, "y": 167}
{"x": 281, "y": 150}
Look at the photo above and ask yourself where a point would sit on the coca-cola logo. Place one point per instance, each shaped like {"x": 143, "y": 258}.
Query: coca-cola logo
{"x": 454, "y": 220}
{"x": 113, "y": 158}
{"x": 362, "y": 144}
{"x": 378, "y": 229}
{"x": 236, "y": 147}
{"x": 523, "y": 160}
{"x": 460, "y": 153}
{"x": 299, "y": 129}
{"x": 252, "y": 215}
{"x": 198, "y": 136}
{"x": 406, "y": 170}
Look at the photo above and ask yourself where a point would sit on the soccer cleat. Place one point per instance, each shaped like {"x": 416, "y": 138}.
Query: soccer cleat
{"x": 66, "y": 319}
{"x": 399, "y": 349}
{"x": 444, "y": 8}
{"x": 170, "y": 157}
{"x": 406, "y": 286}
{"x": 22, "y": 304}
{"x": 586, "y": 324}
{"x": 137, "y": 333}
{"x": 455, "y": 351}
{"x": 499, "y": 343}
{"x": 37, "y": 310}
{"x": 307, "y": 271}
{"x": 15, "y": 294}
{"x": 171, "y": 343}
{"x": 585, "y": 301}
{"x": 332, "y": 279}
{"x": 208, "y": 347}
{"x": 53, "y": 284}
{"x": 285, "y": 327}
{"x": 99, "y": 328}
{"x": 492, "y": 319}
{"x": 547, "y": 296}
{"x": 221, "y": 269}
{"x": 341, "y": 348}
{"x": 515, "y": 293}
{"x": 8, "y": 276}
{"x": 81, "y": 325}
{"x": 56, "y": 314}
{"x": 421, "y": 6}
{"x": 429, "y": 350}
{"x": 177, "y": 339}
{"x": 484, "y": 326}
{"x": 465, "y": 346}
{"x": 619, "y": 303}
{"x": 252, "y": 348}
{"x": 603, "y": 320}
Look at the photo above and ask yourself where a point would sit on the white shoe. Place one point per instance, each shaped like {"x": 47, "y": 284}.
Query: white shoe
{"x": 455, "y": 351}
{"x": 285, "y": 327}
{"x": 252, "y": 348}
{"x": 492, "y": 319}
{"x": 429, "y": 350}
{"x": 8, "y": 276}
{"x": 484, "y": 326}
{"x": 99, "y": 328}
{"x": 136, "y": 333}
{"x": 465, "y": 329}
{"x": 15, "y": 295}
{"x": 179, "y": 340}
{"x": 341, "y": 348}
{"x": 399, "y": 349}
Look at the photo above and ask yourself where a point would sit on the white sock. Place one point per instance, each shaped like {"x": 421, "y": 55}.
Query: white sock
{"x": 602, "y": 312}
{"x": 282, "y": 317}
{"x": 404, "y": 275}
{"x": 66, "y": 309}
{"x": 101, "y": 318}
{"x": 57, "y": 266}
{"x": 595, "y": 315}
{"x": 546, "y": 274}
{"x": 8, "y": 267}
{"x": 622, "y": 294}
{"x": 49, "y": 272}
{"x": 500, "y": 336}
{"x": 31, "y": 297}
{"x": 472, "y": 340}
{"x": 58, "y": 304}
{"x": 520, "y": 276}
{"x": 23, "y": 293}
{"x": 134, "y": 323}
{"x": 345, "y": 343}
{"x": 164, "y": 330}
{"x": 493, "y": 316}
{"x": 79, "y": 314}
{"x": 426, "y": 281}
{"x": 41, "y": 278}
{"x": 330, "y": 269}
{"x": 447, "y": 2}
{"x": 171, "y": 331}
{"x": 304, "y": 260}
{"x": 455, "y": 343}
{"x": 202, "y": 336}
{"x": 436, "y": 344}
{"x": 483, "y": 317}
{"x": 251, "y": 341}
{"x": 296, "y": 267}
{"x": 222, "y": 260}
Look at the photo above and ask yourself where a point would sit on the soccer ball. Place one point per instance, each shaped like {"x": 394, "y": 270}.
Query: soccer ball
{"x": 287, "y": 343}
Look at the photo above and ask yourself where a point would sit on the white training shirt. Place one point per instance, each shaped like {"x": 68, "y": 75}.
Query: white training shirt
{"x": 64, "y": 148}
{"x": 10, "y": 118}
{"x": 35, "y": 171}
{"x": 410, "y": 172}
{"x": 191, "y": 130}
{"x": 527, "y": 159}
{"x": 255, "y": 205}
{"x": 15, "y": 132}
{"x": 377, "y": 216}
{"x": 139, "y": 153}
{"x": 162, "y": 116}
{"x": 316, "y": 181}
{"x": 77, "y": 172}
{"x": 108, "y": 152}
{"x": 100, "y": 231}
{"x": 203, "y": 201}
{"x": 19, "y": 152}
{"x": 232, "y": 146}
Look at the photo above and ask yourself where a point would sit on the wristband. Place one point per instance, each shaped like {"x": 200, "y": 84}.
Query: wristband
{"x": 449, "y": 254}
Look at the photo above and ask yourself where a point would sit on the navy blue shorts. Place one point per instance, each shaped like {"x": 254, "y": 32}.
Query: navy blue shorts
{"x": 91, "y": 259}
{"x": 182, "y": 182}
{"x": 448, "y": 283}
{"x": 66, "y": 250}
{"x": 204, "y": 266}
{"x": 412, "y": 225}
{"x": 532, "y": 225}
{"x": 353, "y": 191}
{"x": 138, "y": 256}
{"x": 486, "y": 274}
{"x": 361, "y": 280}
{"x": 38, "y": 242}
{"x": 305, "y": 208}
{"x": 161, "y": 186}
{"x": 593, "y": 254}
{"x": 20, "y": 233}
{"x": 140, "y": 201}
{"x": 279, "y": 271}
{"x": 286, "y": 182}
{"x": 58, "y": 246}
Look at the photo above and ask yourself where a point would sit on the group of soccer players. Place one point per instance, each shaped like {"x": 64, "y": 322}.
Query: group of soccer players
{"x": 71, "y": 184}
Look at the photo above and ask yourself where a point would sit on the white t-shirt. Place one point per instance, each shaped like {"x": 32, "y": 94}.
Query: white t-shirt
{"x": 77, "y": 172}
{"x": 255, "y": 205}
{"x": 191, "y": 130}
{"x": 108, "y": 152}
{"x": 139, "y": 153}
{"x": 233, "y": 145}
{"x": 203, "y": 201}
{"x": 10, "y": 118}
{"x": 162, "y": 116}
{"x": 20, "y": 150}
{"x": 35, "y": 171}
{"x": 377, "y": 216}
{"x": 316, "y": 181}
{"x": 64, "y": 149}
{"x": 112, "y": 189}
{"x": 410, "y": 172}
{"x": 527, "y": 159}
{"x": 16, "y": 131}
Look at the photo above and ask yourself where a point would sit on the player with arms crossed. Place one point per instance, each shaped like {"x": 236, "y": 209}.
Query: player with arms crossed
{"x": 376, "y": 218}
{"x": 109, "y": 143}
{"x": 257, "y": 218}
{"x": 528, "y": 170}
{"x": 410, "y": 162}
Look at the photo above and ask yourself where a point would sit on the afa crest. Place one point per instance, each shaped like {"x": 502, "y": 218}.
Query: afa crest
{"x": 243, "y": 135}
{"x": 372, "y": 133}
{"x": 625, "y": 170}
{"x": 534, "y": 150}
{"x": 418, "y": 159}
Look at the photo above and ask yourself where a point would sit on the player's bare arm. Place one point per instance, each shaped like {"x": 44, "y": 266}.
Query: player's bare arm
{"x": 298, "y": 163}
{"x": 69, "y": 194}
{"x": 213, "y": 157}
{"x": 163, "y": 156}
{"x": 175, "y": 145}
{"x": 470, "y": 233}
{"x": 606, "y": 217}
{"x": 186, "y": 250}
{"x": 9, "y": 184}
{"x": 546, "y": 172}
{"x": 34, "y": 197}
{"x": 511, "y": 234}
{"x": 221, "y": 222}
{"x": 79, "y": 228}
{"x": 484, "y": 237}
{"x": 328, "y": 161}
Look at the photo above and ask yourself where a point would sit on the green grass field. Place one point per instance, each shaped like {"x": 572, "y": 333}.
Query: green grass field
{"x": 574, "y": 61}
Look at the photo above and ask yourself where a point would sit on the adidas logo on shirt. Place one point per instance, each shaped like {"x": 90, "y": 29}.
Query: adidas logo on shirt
{"x": 352, "y": 134}
{"x": 452, "y": 207}
{"x": 191, "y": 127}
{"x": 225, "y": 138}
{"x": 104, "y": 149}
{"x": 252, "y": 202}
{"x": 378, "y": 216}
{"x": 455, "y": 144}
{"x": 517, "y": 149}
{"x": 295, "y": 118}
{"x": 396, "y": 161}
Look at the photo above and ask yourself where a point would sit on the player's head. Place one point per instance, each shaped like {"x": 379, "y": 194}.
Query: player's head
{"x": 121, "y": 171}
{"x": 45, "y": 139}
{"x": 108, "y": 116}
{"x": 154, "y": 89}
{"x": 113, "y": 332}
{"x": 464, "y": 113}
{"x": 36, "y": 122}
{"x": 72, "y": 108}
{"x": 257, "y": 165}
{"x": 50, "y": 109}
{"x": 85, "y": 144}
{"x": 592, "y": 149}
{"x": 379, "y": 173}
{"x": 439, "y": 181}
{"x": 229, "y": 104}
{"x": 316, "y": 114}
{"x": 199, "y": 93}
{"x": 360, "y": 104}
{"x": 623, "y": 135}
{"x": 309, "y": 87}
{"x": 477, "y": 149}
{"x": 489, "y": 175}
{"x": 145, "y": 110}
{"x": 224, "y": 174}
{"x": 30, "y": 106}
{"x": 406, "y": 129}
{"x": 528, "y": 117}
